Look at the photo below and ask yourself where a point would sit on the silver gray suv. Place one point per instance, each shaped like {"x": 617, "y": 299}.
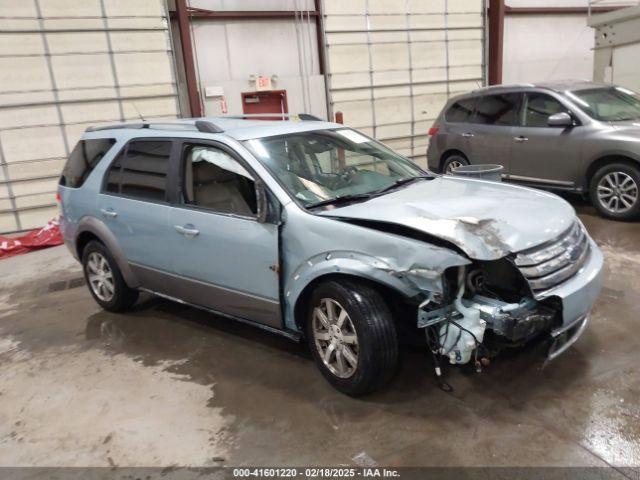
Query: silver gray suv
{"x": 576, "y": 136}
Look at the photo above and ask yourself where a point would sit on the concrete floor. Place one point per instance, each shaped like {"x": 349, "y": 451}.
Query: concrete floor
{"x": 169, "y": 385}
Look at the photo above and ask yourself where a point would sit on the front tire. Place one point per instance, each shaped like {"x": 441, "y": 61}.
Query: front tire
{"x": 104, "y": 279}
{"x": 352, "y": 336}
{"x": 615, "y": 191}
{"x": 453, "y": 161}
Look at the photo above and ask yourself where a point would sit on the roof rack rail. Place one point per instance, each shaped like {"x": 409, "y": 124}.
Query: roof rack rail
{"x": 208, "y": 127}
{"x": 203, "y": 126}
{"x": 299, "y": 116}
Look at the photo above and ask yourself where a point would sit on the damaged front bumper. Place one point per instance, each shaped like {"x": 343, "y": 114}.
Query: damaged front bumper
{"x": 562, "y": 312}
{"x": 565, "y": 336}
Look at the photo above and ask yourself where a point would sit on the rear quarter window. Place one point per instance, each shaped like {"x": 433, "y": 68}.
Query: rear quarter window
{"x": 461, "y": 111}
{"x": 83, "y": 159}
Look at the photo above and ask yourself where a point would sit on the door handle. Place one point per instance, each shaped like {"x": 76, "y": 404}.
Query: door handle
{"x": 188, "y": 230}
{"x": 109, "y": 212}
{"x": 521, "y": 139}
{"x": 467, "y": 134}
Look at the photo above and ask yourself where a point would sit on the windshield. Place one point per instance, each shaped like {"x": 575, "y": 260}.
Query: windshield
{"x": 319, "y": 166}
{"x": 608, "y": 104}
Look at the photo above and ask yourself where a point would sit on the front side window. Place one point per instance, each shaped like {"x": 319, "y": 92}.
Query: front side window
{"x": 140, "y": 171}
{"x": 83, "y": 159}
{"x": 498, "y": 109}
{"x": 539, "y": 107}
{"x": 460, "y": 112}
{"x": 215, "y": 181}
{"x": 608, "y": 104}
{"x": 325, "y": 165}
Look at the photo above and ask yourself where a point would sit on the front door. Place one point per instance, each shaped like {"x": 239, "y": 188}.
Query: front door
{"x": 491, "y": 133}
{"x": 540, "y": 153}
{"x": 134, "y": 206}
{"x": 224, "y": 258}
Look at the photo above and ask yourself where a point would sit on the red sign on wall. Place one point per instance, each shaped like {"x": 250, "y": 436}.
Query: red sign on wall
{"x": 263, "y": 83}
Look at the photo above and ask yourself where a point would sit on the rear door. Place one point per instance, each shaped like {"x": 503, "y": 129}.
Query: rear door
{"x": 458, "y": 132}
{"x": 224, "y": 257}
{"x": 492, "y": 132}
{"x": 134, "y": 205}
{"x": 544, "y": 154}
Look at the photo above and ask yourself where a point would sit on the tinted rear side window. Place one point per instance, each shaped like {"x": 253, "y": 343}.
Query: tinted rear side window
{"x": 461, "y": 111}
{"x": 140, "y": 171}
{"x": 499, "y": 109}
{"x": 83, "y": 159}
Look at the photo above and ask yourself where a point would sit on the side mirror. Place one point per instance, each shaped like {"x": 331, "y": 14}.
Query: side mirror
{"x": 562, "y": 119}
{"x": 261, "y": 201}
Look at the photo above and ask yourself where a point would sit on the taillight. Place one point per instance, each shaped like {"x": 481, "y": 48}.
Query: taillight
{"x": 59, "y": 203}
{"x": 433, "y": 131}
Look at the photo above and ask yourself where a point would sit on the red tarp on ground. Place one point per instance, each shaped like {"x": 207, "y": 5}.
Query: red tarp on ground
{"x": 47, "y": 236}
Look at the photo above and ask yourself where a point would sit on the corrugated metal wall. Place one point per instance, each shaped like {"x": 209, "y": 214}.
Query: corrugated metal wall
{"x": 65, "y": 65}
{"x": 392, "y": 64}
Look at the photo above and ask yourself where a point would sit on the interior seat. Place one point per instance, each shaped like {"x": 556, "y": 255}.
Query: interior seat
{"x": 218, "y": 189}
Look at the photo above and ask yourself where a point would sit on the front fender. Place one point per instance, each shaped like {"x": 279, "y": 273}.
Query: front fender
{"x": 409, "y": 281}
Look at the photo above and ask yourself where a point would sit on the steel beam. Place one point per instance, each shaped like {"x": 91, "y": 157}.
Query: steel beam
{"x": 557, "y": 10}
{"x": 496, "y": 40}
{"x": 182, "y": 15}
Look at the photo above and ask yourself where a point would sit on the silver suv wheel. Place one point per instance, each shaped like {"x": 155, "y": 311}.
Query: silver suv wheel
{"x": 335, "y": 338}
{"x": 100, "y": 277}
{"x": 452, "y": 165}
{"x": 617, "y": 192}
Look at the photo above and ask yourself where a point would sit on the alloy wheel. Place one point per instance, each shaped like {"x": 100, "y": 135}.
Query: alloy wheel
{"x": 452, "y": 165}
{"x": 100, "y": 277}
{"x": 617, "y": 192}
{"x": 335, "y": 338}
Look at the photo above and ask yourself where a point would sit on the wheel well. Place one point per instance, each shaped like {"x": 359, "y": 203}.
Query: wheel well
{"x": 449, "y": 153}
{"x": 601, "y": 162}
{"x": 396, "y": 301}
{"x": 82, "y": 240}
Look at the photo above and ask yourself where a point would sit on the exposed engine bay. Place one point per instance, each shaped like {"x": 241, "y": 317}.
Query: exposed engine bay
{"x": 485, "y": 299}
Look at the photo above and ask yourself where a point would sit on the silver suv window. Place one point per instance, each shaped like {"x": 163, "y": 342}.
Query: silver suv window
{"x": 539, "y": 107}
{"x": 83, "y": 159}
{"x": 322, "y": 165}
{"x": 498, "y": 109}
{"x": 216, "y": 181}
{"x": 140, "y": 171}
{"x": 461, "y": 112}
{"x": 608, "y": 104}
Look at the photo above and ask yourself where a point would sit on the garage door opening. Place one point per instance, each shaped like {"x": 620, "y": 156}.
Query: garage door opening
{"x": 274, "y": 101}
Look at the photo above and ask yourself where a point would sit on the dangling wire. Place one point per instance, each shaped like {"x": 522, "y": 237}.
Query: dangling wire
{"x": 435, "y": 346}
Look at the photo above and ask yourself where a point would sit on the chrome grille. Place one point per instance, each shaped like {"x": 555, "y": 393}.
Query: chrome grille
{"x": 548, "y": 266}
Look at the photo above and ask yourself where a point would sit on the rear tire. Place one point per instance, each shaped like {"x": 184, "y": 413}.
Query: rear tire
{"x": 615, "y": 191}
{"x": 104, "y": 279}
{"x": 454, "y": 160}
{"x": 352, "y": 336}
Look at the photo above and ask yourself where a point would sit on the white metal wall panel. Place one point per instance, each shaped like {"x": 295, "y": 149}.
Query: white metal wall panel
{"x": 392, "y": 64}
{"x": 66, "y": 65}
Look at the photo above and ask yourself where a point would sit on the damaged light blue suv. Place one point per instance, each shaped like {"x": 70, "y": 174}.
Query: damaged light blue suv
{"x": 313, "y": 230}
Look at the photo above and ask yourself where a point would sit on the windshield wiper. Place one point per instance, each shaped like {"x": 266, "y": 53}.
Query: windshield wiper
{"x": 341, "y": 199}
{"x": 400, "y": 182}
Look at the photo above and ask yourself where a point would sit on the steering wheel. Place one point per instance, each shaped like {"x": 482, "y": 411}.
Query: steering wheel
{"x": 347, "y": 173}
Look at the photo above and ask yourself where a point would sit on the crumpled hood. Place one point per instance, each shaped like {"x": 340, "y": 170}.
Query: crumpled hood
{"x": 486, "y": 220}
